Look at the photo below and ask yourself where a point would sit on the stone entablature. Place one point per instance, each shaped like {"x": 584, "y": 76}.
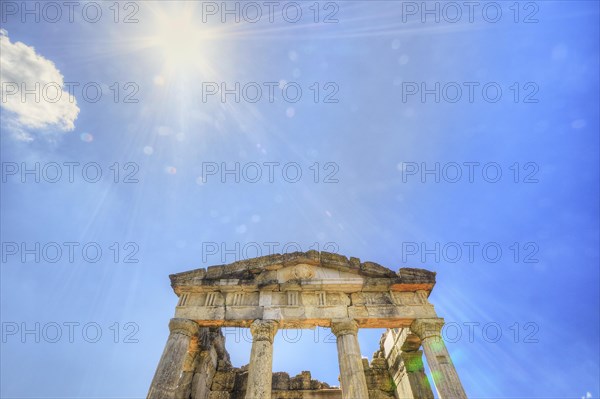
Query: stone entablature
{"x": 302, "y": 290}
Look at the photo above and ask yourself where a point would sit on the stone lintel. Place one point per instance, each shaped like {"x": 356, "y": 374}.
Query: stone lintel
{"x": 384, "y": 323}
{"x": 384, "y": 316}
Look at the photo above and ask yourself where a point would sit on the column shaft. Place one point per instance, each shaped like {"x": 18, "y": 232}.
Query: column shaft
{"x": 260, "y": 369}
{"x": 172, "y": 379}
{"x": 415, "y": 372}
{"x": 444, "y": 374}
{"x": 354, "y": 383}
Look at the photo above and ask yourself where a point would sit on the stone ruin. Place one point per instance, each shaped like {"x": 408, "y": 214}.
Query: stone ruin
{"x": 304, "y": 290}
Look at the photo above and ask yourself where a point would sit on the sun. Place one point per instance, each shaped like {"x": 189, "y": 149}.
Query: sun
{"x": 179, "y": 40}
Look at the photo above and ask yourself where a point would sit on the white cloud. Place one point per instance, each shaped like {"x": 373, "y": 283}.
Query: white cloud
{"x": 21, "y": 68}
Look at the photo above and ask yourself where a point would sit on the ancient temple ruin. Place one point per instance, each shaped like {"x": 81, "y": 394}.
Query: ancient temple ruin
{"x": 304, "y": 290}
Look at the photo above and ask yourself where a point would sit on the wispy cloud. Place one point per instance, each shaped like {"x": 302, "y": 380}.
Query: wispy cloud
{"x": 32, "y": 91}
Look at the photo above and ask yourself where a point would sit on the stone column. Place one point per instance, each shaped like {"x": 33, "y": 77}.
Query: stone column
{"x": 415, "y": 372}
{"x": 260, "y": 369}
{"x": 444, "y": 374}
{"x": 354, "y": 383}
{"x": 173, "y": 376}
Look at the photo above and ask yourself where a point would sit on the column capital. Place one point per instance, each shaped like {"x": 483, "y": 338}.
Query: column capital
{"x": 341, "y": 327}
{"x": 184, "y": 326}
{"x": 263, "y": 330}
{"x": 426, "y": 328}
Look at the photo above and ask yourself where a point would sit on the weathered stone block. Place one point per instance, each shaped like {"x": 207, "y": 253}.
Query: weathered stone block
{"x": 354, "y": 263}
{"x": 301, "y": 381}
{"x": 376, "y": 269}
{"x": 311, "y": 258}
{"x": 223, "y": 381}
{"x": 243, "y": 313}
{"x": 379, "y": 364}
{"x": 335, "y": 260}
{"x": 379, "y": 380}
{"x": 241, "y": 381}
{"x": 281, "y": 381}
{"x": 365, "y": 363}
{"x": 216, "y": 313}
{"x": 214, "y": 272}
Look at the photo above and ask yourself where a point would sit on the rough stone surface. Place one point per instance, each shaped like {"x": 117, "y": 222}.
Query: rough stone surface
{"x": 301, "y": 381}
{"x": 281, "y": 381}
{"x": 379, "y": 382}
{"x": 301, "y": 386}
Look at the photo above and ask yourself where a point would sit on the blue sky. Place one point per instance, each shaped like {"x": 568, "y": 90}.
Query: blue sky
{"x": 168, "y": 211}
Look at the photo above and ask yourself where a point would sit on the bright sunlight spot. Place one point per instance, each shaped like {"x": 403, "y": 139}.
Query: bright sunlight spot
{"x": 179, "y": 40}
